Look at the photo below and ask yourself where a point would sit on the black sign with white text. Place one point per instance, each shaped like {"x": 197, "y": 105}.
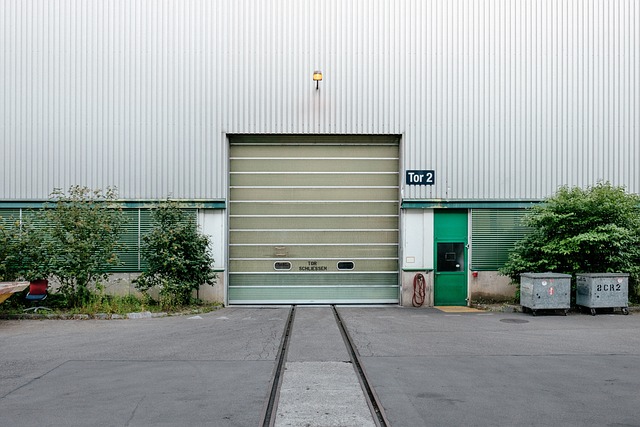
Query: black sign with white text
{"x": 420, "y": 177}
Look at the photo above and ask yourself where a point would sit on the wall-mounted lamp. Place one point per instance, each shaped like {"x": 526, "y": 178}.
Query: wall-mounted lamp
{"x": 317, "y": 77}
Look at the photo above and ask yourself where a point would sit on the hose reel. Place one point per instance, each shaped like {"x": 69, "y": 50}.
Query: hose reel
{"x": 419, "y": 290}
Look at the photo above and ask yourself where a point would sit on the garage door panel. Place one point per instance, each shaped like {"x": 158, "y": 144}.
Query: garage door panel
{"x": 348, "y": 150}
{"x": 313, "y": 223}
{"x": 292, "y": 237}
{"x": 314, "y": 288}
{"x": 314, "y": 165}
{"x": 312, "y": 250}
{"x": 311, "y": 295}
{"x": 308, "y": 193}
{"x": 318, "y": 208}
{"x": 321, "y": 178}
{"x": 319, "y": 264}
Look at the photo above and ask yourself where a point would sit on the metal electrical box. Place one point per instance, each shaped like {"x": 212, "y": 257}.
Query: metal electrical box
{"x": 602, "y": 290}
{"x": 545, "y": 291}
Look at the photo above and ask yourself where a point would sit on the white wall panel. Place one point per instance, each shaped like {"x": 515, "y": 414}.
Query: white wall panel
{"x": 504, "y": 99}
{"x": 212, "y": 222}
{"x": 417, "y": 239}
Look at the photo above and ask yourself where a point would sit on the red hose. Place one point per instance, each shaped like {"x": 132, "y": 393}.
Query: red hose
{"x": 419, "y": 290}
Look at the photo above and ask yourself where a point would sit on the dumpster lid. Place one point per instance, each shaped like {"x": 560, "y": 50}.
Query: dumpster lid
{"x": 603, "y": 274}
{"x": 548, "y": 275}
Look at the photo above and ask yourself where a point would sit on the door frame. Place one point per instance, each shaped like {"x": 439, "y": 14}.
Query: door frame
{"x": 312, "y": 139}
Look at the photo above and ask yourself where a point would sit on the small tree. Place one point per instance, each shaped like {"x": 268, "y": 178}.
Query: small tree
{"x": 580, "y": 231}
{"x": 179, "y": 257}
{"x": 83, "y": 232}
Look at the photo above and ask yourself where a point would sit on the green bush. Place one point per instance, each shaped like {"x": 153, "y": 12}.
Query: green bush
{"x": 82, "y": 235}
{"x": 10, "y": 248}
{"x": 24, "y": 254}
{"x": 179, "y": 257}
{"x": 593, "y": 230}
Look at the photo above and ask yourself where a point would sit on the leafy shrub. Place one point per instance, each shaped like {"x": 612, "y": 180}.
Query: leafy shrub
{"x": 10, "y": 248}
{"x": 593, "y": 230}
{"x": 24, "y": 253}
{"x": 179, "y": 257}
{"x": 82, "y": 236}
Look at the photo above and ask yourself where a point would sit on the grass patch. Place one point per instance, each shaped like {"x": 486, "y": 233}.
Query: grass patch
{"x": 105, "y": 304}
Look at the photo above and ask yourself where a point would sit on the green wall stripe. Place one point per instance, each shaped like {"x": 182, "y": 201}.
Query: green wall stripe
{"x": 127, "y": 204}
{"x": 468, "y": 204}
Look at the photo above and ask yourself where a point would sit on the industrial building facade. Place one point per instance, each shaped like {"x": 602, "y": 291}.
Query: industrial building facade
{"x": 434, "y": 125}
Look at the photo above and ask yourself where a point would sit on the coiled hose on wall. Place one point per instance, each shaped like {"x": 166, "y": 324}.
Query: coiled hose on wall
{"x": 419, "y": 290}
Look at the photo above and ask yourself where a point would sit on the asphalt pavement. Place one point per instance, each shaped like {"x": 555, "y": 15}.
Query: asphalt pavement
{"x": 428, "y": 368}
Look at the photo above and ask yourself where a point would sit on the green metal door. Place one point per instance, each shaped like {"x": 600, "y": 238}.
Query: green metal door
{"x": 450, "y": 286}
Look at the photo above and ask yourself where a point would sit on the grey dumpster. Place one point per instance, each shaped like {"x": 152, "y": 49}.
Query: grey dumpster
{"x": 545, "y": 291}
{"x": 602, "y": 290}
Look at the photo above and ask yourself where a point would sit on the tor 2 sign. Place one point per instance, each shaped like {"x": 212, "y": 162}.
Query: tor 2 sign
{"x": 420, "y": 177}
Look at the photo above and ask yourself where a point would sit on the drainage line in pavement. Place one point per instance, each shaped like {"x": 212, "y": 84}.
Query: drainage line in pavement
{"x": 269, "y": 413}
{"x": 372, "y": 398}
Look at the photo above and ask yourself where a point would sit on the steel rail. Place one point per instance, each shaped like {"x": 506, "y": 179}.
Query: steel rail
{"x": 375, "y": 406}
{"x": 269, "y": 412}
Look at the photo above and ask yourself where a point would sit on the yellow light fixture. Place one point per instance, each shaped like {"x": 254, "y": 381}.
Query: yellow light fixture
{"x": 317, "y": 77}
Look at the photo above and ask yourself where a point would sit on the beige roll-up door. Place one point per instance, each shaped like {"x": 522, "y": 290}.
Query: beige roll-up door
{"x": 313, "y": 220}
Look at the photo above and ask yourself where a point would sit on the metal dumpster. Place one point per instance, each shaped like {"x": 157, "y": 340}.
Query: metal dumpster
{"x": 545, "y": 291}
{"x": 602, "y": 290}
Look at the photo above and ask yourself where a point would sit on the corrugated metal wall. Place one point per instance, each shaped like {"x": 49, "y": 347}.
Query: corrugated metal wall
{"x": 504, "y": 99}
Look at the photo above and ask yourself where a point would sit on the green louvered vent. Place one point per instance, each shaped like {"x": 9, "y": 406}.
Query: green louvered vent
{"x": 28, "y": 216}
{"x": 9, "y": 216}
{"x": 494, "y": 232}
{"x": 138, "y": 222}
{"x": 129, "y": 251}
{"x": 146, "y": 225}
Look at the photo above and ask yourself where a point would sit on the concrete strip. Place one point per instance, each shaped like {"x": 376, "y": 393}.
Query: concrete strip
{"x": 320, "y": 386}
{"x": 316, "y": 337}
{"x": 322, "y": 394}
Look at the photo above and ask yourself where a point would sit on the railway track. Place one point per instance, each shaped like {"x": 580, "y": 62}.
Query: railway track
{"x": 268, "y": 418}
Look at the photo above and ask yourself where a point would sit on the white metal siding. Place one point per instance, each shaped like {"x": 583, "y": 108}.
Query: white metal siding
{"x": 504, "y": 99}
{"x": 417, "y": 239}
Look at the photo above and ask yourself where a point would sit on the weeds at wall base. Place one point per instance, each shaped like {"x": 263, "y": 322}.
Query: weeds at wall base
{"x": 103, "y": 307}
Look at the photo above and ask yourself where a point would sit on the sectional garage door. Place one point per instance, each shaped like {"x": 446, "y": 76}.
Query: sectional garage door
{"x": 313, "y": 220}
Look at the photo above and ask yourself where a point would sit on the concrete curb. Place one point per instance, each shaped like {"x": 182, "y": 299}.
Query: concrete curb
{"x": 97, "y": 316}
{"x": 517, "y": 308}
{"x": 44, "y": 315}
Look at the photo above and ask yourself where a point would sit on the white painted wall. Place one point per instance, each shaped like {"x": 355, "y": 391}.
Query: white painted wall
{"x": 417, "y": 239}
{"x": 212, "y": 222}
